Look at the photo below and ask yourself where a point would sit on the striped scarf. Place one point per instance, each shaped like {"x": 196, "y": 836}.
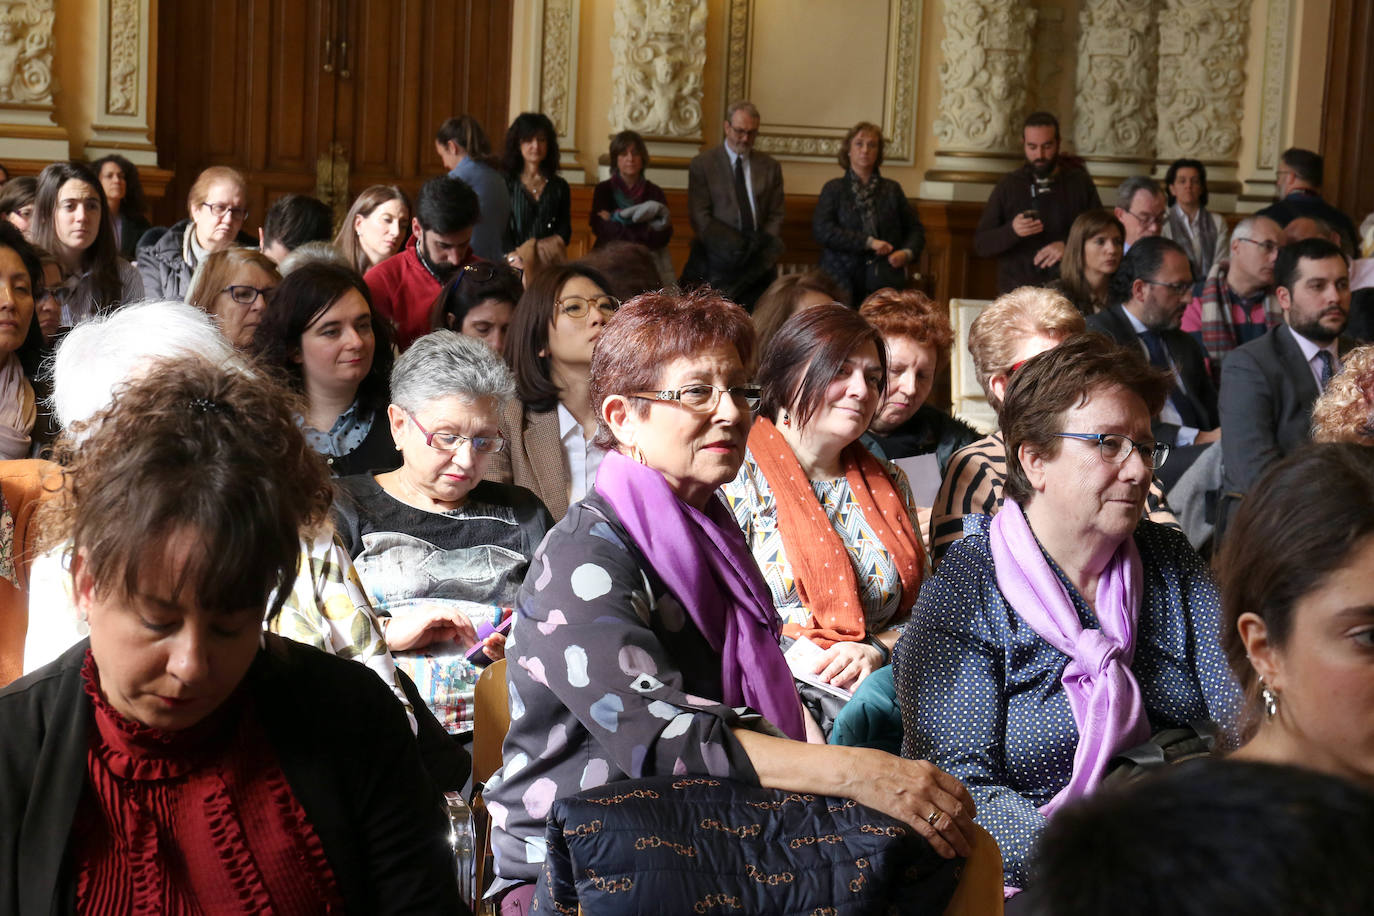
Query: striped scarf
{"x": 1218, "y": 323}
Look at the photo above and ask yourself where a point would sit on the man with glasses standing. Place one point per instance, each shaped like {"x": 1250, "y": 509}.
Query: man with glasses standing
{"x": 1298, "y": 193}
{"x": 1148, "y": 294}
{"x": 1141, "y": 207}
{"x": 735, "y": 202}
{"x": 1237, "y": 302}
{"x": 405, "y": 285}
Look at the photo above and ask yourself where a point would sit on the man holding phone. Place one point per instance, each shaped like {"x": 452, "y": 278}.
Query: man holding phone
{"x": 1028, "y": 216}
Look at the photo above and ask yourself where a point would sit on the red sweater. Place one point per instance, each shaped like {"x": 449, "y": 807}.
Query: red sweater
{"x": 404, "y": 291}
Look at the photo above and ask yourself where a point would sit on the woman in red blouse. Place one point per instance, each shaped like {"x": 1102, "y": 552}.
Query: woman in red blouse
{"x": 181, "y": 760}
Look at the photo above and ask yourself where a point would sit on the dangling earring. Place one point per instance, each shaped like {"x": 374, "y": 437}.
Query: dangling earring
{"x": 786, "y": 419}
{"x": 1271, "y": 700}
{"x": 636, "y": 454}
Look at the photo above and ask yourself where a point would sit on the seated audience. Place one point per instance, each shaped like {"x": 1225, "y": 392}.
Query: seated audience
{"x": 867, "y": 229}
{"x": 432, "y": 536}
{"x": 21, "y": 347}
{"x": 1237, "y": 303}
{"x": 375, "y": 227}
{"x": 540, "y": 224}
{"x": 1140, "y": 208}
{"x": 1202, "y": 233}
{"x": 831, "y": 527}
{"x": 291, "y": 221}
{"x": 645, "y": 642}
{"x": 1008, "y": 332}
{"x": 404, "y": 286}
{"x": 788, "y": 295}
{"x": 1309, "y": 227}
{"x": 917, "y": 337}
{"x": 549, "y": 429}
{"x": 1148, "y": 296}
{"x": 280, "y": 775}
{"x": 629, "y": 267}
{"x": 1345, "y": 410}
{"x": 312, "y": 253}
{"x": 998, "y": 679}
{"x": 628, "y": 207}
{"x": 70, "y": 220}
{"x": 1298, "y": 610}
{"x": 326, "y": 339}
{"x": 217, "y": 204}
{"x": 1297, "y": 192}
{"x": 124, "y": 197}
{"x": 466, "y": 154}
{"x": 17, "y": 198}
{"x": 1091, "y": 256}
{"x": 48, "y": 304}
{"x": 232, "y": 286}
{"x": 479, "y": 302}
{"x": 1211, "y": 838}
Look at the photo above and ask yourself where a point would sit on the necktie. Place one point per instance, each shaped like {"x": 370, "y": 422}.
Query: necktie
{"x": 1327, "y": 365}
{"x": 746, "y": 212}
{"x": 1159, "y": 358}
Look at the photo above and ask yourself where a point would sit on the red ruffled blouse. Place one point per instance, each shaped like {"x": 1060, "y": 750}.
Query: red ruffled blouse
{"x": 200, "y": 820}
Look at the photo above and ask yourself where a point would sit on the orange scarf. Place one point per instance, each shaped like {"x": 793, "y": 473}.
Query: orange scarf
{"x": 821, "y": 568}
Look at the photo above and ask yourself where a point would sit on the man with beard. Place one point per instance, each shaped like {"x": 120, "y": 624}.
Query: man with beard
{"x": 1268, "y": 385}
{"x": 1029, "y": 214}
{"x": 405, "y": 285}
{"x": 1148, "y": 294}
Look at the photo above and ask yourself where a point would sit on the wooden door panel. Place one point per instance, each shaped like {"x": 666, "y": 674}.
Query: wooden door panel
{"x": 291, "y": 87}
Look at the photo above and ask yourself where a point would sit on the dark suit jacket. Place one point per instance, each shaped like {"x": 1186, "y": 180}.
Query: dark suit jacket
{"x": 1189, "y": 359}
{"x": 533, "y": 457}
{"x": 1267, "y": 392}
{"x": 711, "y": 192}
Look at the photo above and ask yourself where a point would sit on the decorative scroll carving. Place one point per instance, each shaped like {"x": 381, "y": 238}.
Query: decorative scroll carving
{"x": 986, "y": 52}
{"x": 122, "y": 94}
{"x": 737, "y": 52}
{"x": 1201, "y": 78}
{"x": 26, "y": 43}
{"x": 556, "y": 78}
{"x": 1271, "y": 95}
{"x": 659, "y": 50}
{"x": 1115, "y": 110}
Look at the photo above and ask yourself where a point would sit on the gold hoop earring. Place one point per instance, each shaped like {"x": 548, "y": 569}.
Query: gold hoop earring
{"x": 1270, "y": 698}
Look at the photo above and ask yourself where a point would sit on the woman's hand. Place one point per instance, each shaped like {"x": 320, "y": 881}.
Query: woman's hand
{"x": 604, "y": 214}
{"x": 879, "y": 246}
{"x": 435, "y": 623}
{"x": 494, "y": 646}
{"x": 933, "y": 802}
{"x": 899, "y": 258}
{"x": 846, "y": 664}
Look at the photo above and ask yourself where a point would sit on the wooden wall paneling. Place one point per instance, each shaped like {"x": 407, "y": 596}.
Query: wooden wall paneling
{"x": 1348, "y": 120}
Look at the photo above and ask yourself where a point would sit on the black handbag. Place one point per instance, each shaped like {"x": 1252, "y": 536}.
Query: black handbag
{"x": 1198, "y": 738}
{"x": 879, "y": 274}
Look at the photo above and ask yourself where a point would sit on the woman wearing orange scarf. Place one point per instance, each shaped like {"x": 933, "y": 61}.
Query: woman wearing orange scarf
{"x": 829, "y": 524}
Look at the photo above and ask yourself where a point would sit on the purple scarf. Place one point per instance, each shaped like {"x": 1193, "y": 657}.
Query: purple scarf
{"x": 1103, "y": 694}
{"x": 703, "y": 559}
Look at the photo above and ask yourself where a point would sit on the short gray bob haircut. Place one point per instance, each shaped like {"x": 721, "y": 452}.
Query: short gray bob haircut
{"x": 443, "y": 364}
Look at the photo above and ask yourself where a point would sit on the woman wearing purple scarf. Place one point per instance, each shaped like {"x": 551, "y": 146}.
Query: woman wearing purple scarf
{"x": 645, "y": 641}
{"x": 1065, "y": 629}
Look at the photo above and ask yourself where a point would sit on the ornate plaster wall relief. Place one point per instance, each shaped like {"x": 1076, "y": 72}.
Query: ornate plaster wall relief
{"x": 26, "y": 43}
{"x": 1115, "y": 110}
{"x": 659, "y": 54}
{"x": 1201, "y": 78}
{"x": 986, "y": 54}
{"x": 122, "y": 90}
{"x": 1277, "y": 32}
{"x": 558, "y": 73}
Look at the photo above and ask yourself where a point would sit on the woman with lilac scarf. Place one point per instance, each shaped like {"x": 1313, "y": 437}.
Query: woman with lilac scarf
{"x": 645, "y": 640}
{"x": 1065, "y": 629}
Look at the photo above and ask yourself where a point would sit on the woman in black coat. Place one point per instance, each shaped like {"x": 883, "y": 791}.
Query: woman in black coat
{"x": 866, "y": 227}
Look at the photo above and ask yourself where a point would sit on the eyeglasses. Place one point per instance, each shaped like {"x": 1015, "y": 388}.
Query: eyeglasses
{"x": 220, "y": 209}
{"x": 578, "y": 307}
{"x": 1116, "y": 448}
{"x": 481, "y": 273}
{"x": 1269, "y": 247}
{"x": 451, "y": 442}
{"x": 1178, "y": 289}
{"x": 1149, "y": 219}
{"x": 705, "y": 397}
{"x": 246, "y": 295}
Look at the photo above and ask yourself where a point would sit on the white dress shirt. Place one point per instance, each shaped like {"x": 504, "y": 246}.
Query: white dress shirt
{"x": 582, "y": 456}
{"x": 1187, "y": 435}
{"x": 1310, "y": 349}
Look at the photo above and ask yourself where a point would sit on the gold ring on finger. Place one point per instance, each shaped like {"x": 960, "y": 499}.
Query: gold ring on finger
{"x": 933, "y": 818}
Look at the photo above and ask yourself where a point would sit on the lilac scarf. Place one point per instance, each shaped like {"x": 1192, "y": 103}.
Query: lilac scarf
{"x": 703, "y": 559}
{"x": 1102, "y": 691}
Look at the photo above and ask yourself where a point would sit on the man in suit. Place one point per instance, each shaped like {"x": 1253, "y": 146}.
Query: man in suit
{"x": 1149, "y": 292}
{"x": 735, "y": 201}
{"x": 1268, "y": 385}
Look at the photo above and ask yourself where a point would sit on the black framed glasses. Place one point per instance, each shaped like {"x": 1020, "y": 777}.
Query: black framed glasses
{"x": 1147, "y": 219}
{"x": 1178, "y": 289}
{"x": 451, "y": 442}
{"x": 220, "y": 209}
{"x": 705, "y": 397}
{"x": 1116, "y": 448}
{"x": 484, "y": 272}
{"x": 579, "y": 307}
{"x": 247, "y": 295}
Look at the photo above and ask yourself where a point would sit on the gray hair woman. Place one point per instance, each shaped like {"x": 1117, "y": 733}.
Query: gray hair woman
{"x": 432, "y": 539}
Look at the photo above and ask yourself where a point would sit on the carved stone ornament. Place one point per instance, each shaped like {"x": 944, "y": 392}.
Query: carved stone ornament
{"x": 986, "y": 55}
{"x": 1276, "y": 39}
{"x": 1201, "y": 78}
{"x": 557, "y": 69}
{"x": 659, "y": 53}
{"x": 122, "y": 95}
{"x": 1115, "y": 108}
{"x": 26, "y": 44}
